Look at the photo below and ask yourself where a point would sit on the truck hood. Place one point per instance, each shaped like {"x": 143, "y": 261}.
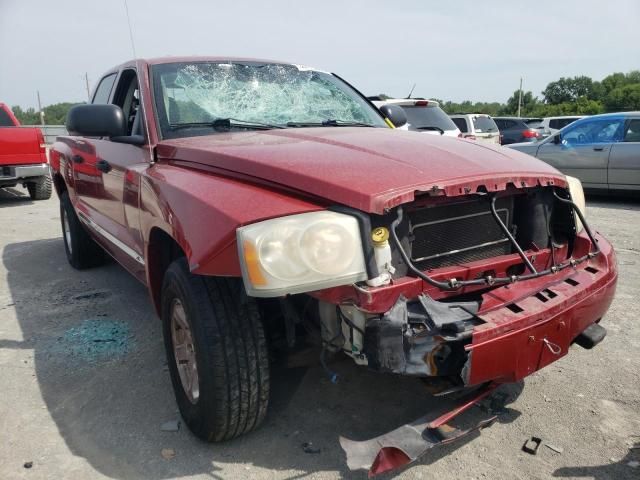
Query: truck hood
{"x": 371, "y": 169}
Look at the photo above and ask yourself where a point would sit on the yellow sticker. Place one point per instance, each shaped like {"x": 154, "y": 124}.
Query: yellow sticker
{"x": 391, "y": 125}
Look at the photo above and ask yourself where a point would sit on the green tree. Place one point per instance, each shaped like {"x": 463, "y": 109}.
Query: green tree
{"x": 624, "y": 98}
{"x": 570, "y": 89}
{"x": 529, "y": 104}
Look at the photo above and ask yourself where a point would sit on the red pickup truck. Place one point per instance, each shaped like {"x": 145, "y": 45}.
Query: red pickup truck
{"x": 23, "y": 157}
{"x": 271, "y": 204}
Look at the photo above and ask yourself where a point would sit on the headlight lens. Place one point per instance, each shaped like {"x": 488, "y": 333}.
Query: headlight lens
{"x": 300, "y": 253}
{"x": 577, "y": 197}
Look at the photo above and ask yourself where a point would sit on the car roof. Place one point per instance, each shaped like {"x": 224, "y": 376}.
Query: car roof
{"x": 137, "y": 62}
{"x": 470, "y": 114}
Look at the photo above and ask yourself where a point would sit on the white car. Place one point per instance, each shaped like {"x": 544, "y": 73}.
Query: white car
{"x": 550, "y": 125}
{"x": 477, "y": 126}
{"x": 422, "y": 115}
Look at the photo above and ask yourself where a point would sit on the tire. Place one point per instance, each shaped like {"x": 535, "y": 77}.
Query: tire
{"x": 40, "y": 189}
{"x": 229, "y": 351}
{"x": 82, "y": 251}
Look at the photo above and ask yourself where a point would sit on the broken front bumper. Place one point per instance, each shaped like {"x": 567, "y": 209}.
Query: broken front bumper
{"x": 513, "y": 331}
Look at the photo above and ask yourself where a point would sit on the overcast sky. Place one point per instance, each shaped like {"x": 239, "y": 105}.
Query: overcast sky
{"x": 462, "y": 50}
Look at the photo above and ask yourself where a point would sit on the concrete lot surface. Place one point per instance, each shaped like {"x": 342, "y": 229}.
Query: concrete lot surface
{"x": 84, "y": 389}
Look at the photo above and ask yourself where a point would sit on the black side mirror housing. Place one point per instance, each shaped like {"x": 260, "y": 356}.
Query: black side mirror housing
{"x": 557, "y": 139}
{"x": 395, "y": 114}
{"x": 104, "y": 120}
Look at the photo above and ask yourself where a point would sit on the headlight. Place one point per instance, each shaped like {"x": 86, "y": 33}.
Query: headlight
{"x": 300, "y": 253}
{"x": 577, "y": 197}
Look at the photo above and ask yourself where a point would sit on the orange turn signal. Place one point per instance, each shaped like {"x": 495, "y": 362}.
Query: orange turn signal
{"x": 252, "y": 263}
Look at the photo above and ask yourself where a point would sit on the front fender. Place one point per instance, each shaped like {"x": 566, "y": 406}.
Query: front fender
{"x": 201, "y": 211}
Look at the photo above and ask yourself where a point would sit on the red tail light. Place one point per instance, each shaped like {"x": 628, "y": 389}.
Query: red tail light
{"x": 421, "y": 103}
{"x": 530, "y": 134}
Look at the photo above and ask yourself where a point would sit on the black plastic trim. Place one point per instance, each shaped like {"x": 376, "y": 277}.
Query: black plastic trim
{"x": 365, "y": 235}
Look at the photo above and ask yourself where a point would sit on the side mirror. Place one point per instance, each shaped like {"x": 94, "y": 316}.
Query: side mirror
{"x": 102, "y": 120}
{"x": 394, "y": 114}
{"x": 557, "y": 139}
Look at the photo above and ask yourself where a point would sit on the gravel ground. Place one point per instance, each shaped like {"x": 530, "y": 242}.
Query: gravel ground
{"x": 85, "y": 389}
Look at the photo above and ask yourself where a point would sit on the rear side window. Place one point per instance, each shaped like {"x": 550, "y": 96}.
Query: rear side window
{"x": 633, "y": 131}
{"x": 5, "y": 119}
{"x": 421, "y": 117}
{"x": 104, "y": 89}
{"x": 461, "y": 123}
{"x": 484, "y": 124}
{"x": 505, "y": 124}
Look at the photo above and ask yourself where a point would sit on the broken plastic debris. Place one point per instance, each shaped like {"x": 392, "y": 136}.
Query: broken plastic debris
{"x": 170, "y": 426}
{"x": 554, "y": 448}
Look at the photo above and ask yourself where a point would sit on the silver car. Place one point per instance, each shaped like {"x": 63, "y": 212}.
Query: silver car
{"x": 603, "y": 151}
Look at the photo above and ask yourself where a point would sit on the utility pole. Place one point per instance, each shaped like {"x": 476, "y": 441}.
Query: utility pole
{"x": 86, "y": 83}
{"x": 520, "y": 96}
{"x": 40, "y": 109}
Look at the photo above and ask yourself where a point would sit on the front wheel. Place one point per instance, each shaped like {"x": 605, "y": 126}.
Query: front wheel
{"x": 82, "y": 252}
{"x": 216, "y": 351}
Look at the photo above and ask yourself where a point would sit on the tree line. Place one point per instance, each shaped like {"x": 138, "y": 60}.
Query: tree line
{"x": 578, "y": 95}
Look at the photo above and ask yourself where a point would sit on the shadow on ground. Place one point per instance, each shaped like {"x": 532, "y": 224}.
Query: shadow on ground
{"x": 13, "y": 196}
{"x": 101, "y": 369}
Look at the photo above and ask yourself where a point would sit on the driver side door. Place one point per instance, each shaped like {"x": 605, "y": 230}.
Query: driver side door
{"x": 584, "y": 149}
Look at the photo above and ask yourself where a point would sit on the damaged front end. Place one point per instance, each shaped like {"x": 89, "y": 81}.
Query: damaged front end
{"x": 481, "y": 291}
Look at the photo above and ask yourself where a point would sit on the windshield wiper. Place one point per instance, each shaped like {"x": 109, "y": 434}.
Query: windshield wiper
{"x": 329, "y": 123}
{"x": 224, "y": 124}
{"x": 428, "y": 127}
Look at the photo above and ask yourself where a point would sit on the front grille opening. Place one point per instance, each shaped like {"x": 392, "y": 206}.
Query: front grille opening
{"x": 454, "y": 234}
{"x": 550, "y": 293}
{"x": 592, "y": 270}
{"x": 572, "y": 282}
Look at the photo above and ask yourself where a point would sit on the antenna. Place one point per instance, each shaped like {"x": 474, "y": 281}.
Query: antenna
{"x": 141, "y": 104}
{"x": 414, "y": 86}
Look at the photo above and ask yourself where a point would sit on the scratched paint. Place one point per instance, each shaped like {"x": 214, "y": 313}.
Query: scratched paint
{"x": 96, "y": 339}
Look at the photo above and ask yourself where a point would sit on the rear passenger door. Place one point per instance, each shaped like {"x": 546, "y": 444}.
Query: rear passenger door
{"x": 584, "y": 150}
{"x": 624, "y": 160}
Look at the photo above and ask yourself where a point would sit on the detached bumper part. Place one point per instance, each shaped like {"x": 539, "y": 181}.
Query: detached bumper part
{"x": 409, "y": 442}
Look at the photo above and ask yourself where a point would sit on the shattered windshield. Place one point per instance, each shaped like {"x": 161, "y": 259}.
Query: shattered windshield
{"x": 204, "y": 98}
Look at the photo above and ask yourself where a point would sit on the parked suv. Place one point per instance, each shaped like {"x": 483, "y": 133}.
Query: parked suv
{"x": 516, "y": 130}
{"x": 301, "y": 219}
{"x": 477, "y": 126}
{"x": 422, "y": 115}
{"x": 550, "y": 125}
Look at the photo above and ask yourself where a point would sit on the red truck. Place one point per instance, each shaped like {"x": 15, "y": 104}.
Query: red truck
{"x": 23, "y": 156}
{"x": 266, "y": 203}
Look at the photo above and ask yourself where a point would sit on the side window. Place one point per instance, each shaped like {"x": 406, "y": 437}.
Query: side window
{"x": 633, "y": 131}
{"x": 101, "y": 94}
{"x": 461, "y": 123}
{"x": 594, "y": 131}
{"x": 500, "y": 123}
{"x": 127, "y": 97}
{"x": 555, "y": 123}
{"x": 507, "y": 124}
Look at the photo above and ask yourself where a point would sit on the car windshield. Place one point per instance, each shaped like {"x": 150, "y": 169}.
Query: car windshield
{"x": 420, "y": 117}
{"x": 484, "y": 124}
{"x": 205, "y": 97}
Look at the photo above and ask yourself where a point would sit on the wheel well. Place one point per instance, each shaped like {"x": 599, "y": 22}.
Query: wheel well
{"x": 162, "y": 250}
{"x": 59, "y": 184}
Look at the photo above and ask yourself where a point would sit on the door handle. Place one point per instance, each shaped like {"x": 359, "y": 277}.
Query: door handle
{"x": 103, "y": 166}
{"x": 77, "y": 159}
{"x": 598, "y": 149}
